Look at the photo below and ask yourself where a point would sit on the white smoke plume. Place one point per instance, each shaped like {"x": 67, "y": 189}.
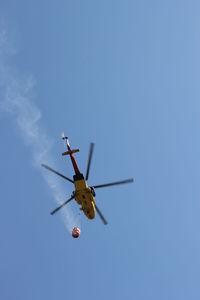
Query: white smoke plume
{"x": 16, "y": 93}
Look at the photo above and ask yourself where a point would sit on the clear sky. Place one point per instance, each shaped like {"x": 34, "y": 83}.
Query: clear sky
{"x": 125, "y": 75}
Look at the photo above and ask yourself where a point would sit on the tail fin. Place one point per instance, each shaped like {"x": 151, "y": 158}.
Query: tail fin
{"x": 64, "y": 137}
{"x": 70, "y": 152}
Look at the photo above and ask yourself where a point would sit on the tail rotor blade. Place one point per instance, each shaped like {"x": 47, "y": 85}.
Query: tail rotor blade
{"x": 113, "y": 183}
{"x": 57, "y": 173}
{"x": 59, "y": 207}
{"x": 89, "y": 160}
{"x": 101, "y": 215}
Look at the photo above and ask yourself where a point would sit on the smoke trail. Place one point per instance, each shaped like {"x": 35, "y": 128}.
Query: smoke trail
{"x": 16, "y": 93}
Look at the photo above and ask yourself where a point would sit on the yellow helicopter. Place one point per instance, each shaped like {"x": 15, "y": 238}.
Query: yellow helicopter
{"x": 83, "y": 194}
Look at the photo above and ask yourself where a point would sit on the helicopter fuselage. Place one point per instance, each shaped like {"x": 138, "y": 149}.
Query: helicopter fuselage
{"x": 84, "y": 196}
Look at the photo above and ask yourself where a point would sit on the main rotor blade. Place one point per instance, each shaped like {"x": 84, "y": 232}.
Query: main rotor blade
{"x": 89, "y": 160}
{"x": 59, "y": 207}
{"x": 100, "y": 215}
{"x": 113, "y": 183}
{"x": 57, "y": 173}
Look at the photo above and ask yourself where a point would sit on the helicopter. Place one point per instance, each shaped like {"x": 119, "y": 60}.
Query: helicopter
{"x": 83, "y": 194}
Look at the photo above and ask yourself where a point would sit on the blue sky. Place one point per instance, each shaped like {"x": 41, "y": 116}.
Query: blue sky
{"x": 125, "y": 75}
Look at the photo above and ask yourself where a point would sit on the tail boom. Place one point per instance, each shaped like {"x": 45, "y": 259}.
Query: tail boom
{"x": 70, "y": 153}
